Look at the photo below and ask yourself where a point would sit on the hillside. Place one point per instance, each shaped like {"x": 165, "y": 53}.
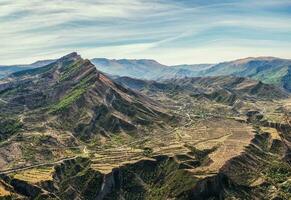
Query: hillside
{"x": 64, "y": 104}
{"x": 218, "y": 87}
{"x": 266, "y": 69}
{"x": 83, "y": 99}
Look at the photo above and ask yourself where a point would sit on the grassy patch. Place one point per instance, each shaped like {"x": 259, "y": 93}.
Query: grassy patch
{"x": 74, "y": 94}
{"x": 66, "y": 101}
{"x": 35, "y": 175}
{"x": 278, "y": 172}
{"x": 8, "y": 127}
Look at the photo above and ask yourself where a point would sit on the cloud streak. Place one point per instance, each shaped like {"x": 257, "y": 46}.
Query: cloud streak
{"x": 40, "y": 29}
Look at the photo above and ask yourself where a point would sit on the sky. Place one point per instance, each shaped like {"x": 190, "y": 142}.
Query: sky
{"x": 169, "y": 31}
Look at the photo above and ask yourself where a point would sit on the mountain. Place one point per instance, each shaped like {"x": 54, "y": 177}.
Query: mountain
{"x": 146, "y": 69}
{"x": 5, "y": 70}
{"x": 269, "y": 70}
{"x": 225, "y": 89}
{"x": 266, "y": 69}
{"x": 142, "y": 69}
{"x": 70, "y": 94}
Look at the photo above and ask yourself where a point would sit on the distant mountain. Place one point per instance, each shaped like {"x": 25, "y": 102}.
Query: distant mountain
{"x": 269, "y": 70}
{"x": 146, "y": 69}
{"x": 266, "y": 69}
{"x": 224, "y": 89}
{"x": 5, "y": 70}
{"x": 182, "y": 71}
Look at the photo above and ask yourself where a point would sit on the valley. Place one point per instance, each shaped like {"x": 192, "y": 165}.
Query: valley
{"x": 69, "y": 131}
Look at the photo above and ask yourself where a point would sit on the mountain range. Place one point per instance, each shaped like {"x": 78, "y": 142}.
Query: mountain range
{"x": 266, "y": 69}
{"x": 68, "y": 130}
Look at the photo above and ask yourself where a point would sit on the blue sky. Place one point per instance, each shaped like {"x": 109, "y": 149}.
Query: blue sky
{"x": 170, "y": 31}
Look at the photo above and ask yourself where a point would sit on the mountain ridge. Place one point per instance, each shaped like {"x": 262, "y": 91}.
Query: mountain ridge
{"x": 208, "y": 86}
{"x": 79, "y": 92}
{"x": 267, "y": 69}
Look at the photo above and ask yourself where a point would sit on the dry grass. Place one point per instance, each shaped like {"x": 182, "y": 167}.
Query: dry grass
{"x": 273, "y": 132}
{"x": 237, "y": 136}
{"x": 228, "y": 135}
{"x": 3, "y": 191}
{"x": 203, "y": 125}
{"x": 35, "y": 175}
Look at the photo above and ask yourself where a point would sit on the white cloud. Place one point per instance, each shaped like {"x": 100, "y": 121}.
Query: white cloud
{"x": 165, "y": 30}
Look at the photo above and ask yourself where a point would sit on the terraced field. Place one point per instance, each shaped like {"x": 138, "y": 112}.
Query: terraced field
{"x": 34, "y": 175}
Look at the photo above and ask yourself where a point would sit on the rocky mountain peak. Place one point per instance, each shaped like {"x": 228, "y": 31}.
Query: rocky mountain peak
{"x": 73, "y": 55}
{"x": 72, "y": 89}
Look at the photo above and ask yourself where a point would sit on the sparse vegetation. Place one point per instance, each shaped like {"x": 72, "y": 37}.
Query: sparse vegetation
{"x": 35, "y": 175}
{"x": 147, "y": 151}
{"x": 278, "y": 172}
{"x": 8, "y": 127}
{"x": 66, "y": 101}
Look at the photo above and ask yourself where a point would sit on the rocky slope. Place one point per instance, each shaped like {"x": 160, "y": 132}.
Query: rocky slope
{"x": 260, "y": 172}
{"x": 51, "y": 113}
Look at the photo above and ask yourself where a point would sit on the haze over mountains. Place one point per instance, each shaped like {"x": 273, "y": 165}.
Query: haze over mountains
{"x": 5, "y": 70}
{"x": 266, "y": 69}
